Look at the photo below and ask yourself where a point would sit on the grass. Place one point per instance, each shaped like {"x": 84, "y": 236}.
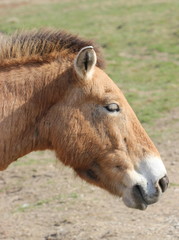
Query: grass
{"x": 139, "y": 38}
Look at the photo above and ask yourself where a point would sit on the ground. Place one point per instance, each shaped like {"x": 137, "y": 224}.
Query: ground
{"x": 42, "y": 200}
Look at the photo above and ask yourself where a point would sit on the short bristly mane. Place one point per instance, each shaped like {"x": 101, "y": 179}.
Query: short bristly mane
{"x": 42, "y": 45}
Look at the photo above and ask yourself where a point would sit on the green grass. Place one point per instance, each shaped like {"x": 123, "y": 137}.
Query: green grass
{"x": 140, "y": 41}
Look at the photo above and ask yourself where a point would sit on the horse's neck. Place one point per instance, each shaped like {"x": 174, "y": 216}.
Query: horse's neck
{"x": 27, "y": 93}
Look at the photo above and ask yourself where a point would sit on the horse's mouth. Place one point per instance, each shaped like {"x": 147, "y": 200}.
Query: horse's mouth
{"x": 139, "y": 199}
{"x": 142, "y": 206}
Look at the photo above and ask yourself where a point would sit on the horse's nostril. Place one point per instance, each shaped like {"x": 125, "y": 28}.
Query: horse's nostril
{"x": 163, "y": 183}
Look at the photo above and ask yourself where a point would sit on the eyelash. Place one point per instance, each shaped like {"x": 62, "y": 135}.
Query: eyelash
{"x": 112, "y": 107}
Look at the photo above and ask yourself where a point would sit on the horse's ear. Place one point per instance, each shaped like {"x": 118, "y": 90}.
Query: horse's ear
{"x": 85, "y": 62}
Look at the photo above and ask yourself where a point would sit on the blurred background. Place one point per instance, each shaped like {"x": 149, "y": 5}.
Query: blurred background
{"x": 140, "y": 41}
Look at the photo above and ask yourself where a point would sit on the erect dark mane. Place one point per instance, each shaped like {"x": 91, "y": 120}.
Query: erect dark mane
{"x": 42, "y": 45}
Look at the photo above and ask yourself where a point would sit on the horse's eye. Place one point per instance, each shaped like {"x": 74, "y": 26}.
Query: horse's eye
{"x": 113, "y": 107}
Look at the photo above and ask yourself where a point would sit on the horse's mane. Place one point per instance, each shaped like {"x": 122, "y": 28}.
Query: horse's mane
{"x": 42, "y": 45}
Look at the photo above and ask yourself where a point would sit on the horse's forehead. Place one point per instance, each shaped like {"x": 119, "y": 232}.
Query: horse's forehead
{"x": 102, "y": 84}
{"x": 101, "y": 77}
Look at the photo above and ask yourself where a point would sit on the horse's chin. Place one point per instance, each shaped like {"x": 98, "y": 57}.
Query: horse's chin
{"x": 142, "y": 205}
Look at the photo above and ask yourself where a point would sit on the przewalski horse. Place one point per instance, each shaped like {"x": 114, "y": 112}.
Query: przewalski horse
{"x": 55, "y": 95}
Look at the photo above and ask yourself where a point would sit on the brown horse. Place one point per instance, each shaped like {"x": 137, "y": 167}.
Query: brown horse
{"x": 55, "y": 95}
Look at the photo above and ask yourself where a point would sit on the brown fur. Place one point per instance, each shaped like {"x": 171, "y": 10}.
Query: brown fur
{"x": 45, "y": 106}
